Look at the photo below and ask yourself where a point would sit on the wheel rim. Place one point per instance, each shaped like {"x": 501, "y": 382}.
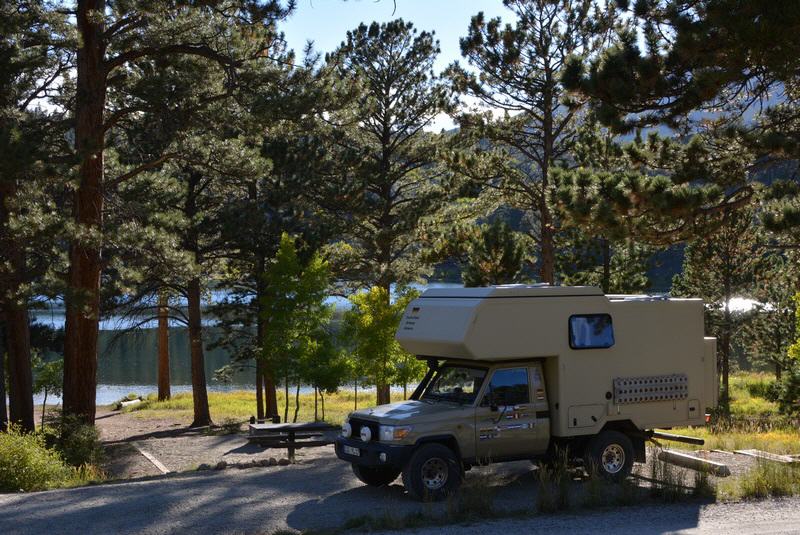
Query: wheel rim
{"x": 613, "y": 458}
{"x": 434, "y": 473}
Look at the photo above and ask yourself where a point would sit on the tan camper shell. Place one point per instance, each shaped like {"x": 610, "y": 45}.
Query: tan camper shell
{"x": 520, "y": 372}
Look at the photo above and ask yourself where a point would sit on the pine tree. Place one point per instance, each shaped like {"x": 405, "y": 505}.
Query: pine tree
{"x": 495, "y": 255}
{"x": 671, "y": 192}
{"x": 718, "y": 268}
{"x": 518, "y": 74}
{"x": 118, "y": 42}
{"x": 772, "y": 330}
{"x": 386, "y": 175}
{"x": 31, "y": 175}
{"x": 697, "y": 54}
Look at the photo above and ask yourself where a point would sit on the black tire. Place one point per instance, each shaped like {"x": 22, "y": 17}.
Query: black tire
{"x": 432, "y": 473}
{"x": 610, "y": 456}
{"x": 375, "y": 477}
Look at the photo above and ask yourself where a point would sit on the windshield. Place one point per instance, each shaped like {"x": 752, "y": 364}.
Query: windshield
{"x": 455, "y": 383}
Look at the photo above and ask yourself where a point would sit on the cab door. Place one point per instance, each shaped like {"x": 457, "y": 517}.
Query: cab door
{"x": 507, "y": 423}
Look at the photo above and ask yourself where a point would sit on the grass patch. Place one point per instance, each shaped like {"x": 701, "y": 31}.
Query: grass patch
{"x": 766, "y": 480}
{"x": 240, "y": 405}
{"x": 750, "y": 393}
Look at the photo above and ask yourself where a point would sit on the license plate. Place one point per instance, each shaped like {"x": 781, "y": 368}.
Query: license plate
{"x": 350, "y": 450}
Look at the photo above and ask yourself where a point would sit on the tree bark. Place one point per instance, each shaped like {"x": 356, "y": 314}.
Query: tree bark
{"x": 83, "y": 278}
{"x": 547, "y": 270}
{"x": 259, "y": 388}
{"x": 163, "y": 347}
{"x": 316, "y": 393}
{"x": 296, "y": 401}
{"x": 384, "y": 394}
{"x": 355, "y": 398}
{"x": 202, "y": 416}
{"x": 286, "y": 399}
{"x": 267, "y": 378}
{"x": 3, "y": 407}
{"x": 606, "y": 247}
{"x": 14, "y": 309}
{"x": 20, "y": 383}
{"x": 726, "y": 359}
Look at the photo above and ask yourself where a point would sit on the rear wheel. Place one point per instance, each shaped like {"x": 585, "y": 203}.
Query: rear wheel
{"x": 432, "y": 473}
{"x": 375, "y": 477}
{"x": 610, "y": 455}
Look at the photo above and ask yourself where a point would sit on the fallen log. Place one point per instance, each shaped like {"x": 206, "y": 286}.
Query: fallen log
{"x": 767, "y": 456}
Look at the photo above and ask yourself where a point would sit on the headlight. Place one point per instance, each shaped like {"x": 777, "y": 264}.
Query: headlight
{"x": 394, "y": 432}
{"x": 366, "y": 434}
{"x": 347, "y": 429}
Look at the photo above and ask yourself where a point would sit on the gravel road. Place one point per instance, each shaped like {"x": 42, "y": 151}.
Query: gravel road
{"x": 321, "y": 493}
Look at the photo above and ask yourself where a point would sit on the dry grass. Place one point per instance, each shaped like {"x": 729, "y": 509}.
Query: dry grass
{"x": 240, "y": 405}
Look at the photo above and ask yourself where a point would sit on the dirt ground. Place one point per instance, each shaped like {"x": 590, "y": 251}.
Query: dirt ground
{"x": 179, "y": 448}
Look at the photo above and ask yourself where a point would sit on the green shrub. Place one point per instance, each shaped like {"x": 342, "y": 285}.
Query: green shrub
{"x": 26, "y": 464}
{"x": 788, "y": 392}
{"x": 78, "y": 443}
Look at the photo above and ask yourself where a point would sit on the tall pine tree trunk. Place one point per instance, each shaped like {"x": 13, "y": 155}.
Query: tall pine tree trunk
{"x": 355, "y": 398}
{"x": 267, "y": 377}
{"x": 83, "y": 278}
{"x": 202, "y": 417}
{"x": 726, "y": 357}
{"x": 270, "y": 398}
{"x": 15, "y": 314}
{"x": 547, "y": 271}
{"x": 163, "y": 347}
{"x": 259, "y": 388}
{"x": 606, "y": 248}
{"x": 382, "y": 388}
{"x": 3, "y": 408}
{"x": 20, "y": 383}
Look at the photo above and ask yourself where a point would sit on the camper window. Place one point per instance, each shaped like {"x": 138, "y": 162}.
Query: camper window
{"x": 591, "y": 331}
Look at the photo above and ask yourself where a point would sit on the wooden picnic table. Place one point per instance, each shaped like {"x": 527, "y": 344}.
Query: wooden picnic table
{"x": 290, "y": 436}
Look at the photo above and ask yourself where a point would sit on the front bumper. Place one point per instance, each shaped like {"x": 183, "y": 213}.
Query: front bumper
{"x": 370, "y": 452}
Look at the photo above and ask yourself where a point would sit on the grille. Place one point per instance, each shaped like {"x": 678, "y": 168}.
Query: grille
{"x": 356, "y": 424}
{"x": 654, "y": 388}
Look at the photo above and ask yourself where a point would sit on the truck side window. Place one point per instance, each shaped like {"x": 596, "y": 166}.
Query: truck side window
{"x": 509, "y": 387}
{"x": 591, "y": 331}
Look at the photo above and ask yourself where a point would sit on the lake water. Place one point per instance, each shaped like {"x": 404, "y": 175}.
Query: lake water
{"x": 127, "y": 360}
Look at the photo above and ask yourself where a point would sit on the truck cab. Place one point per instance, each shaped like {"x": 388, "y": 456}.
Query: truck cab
{"x": 524, "y": 372}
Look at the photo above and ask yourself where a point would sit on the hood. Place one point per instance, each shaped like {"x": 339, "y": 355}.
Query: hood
{"x": 406, "y": 411}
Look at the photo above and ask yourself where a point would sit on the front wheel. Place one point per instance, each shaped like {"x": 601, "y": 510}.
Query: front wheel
{"x": 432, "y": 473}
{"x": 375, "y": 477}
{"x": 610, "y": 455}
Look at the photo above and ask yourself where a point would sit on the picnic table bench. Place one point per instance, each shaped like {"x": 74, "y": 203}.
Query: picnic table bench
{"x": 290, "y": 436}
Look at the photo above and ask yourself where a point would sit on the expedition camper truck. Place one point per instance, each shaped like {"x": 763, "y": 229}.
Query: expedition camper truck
{"x": 522, "y": 372}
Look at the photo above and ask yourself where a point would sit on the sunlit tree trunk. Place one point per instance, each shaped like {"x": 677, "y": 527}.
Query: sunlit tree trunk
{"x": 83, "y": 278}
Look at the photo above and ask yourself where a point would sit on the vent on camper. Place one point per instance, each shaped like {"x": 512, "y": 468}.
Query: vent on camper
{"x": 653, "y": 388}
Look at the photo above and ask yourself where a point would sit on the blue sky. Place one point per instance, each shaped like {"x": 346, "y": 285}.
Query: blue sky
{"x": 326, "y": 21}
